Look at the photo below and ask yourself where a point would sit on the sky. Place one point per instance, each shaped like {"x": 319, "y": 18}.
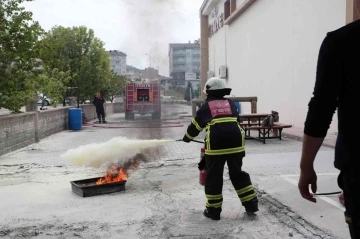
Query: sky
{"x": 142, "y": 29}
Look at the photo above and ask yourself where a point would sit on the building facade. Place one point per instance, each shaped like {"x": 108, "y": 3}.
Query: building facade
{"x": 118, "y": 62}
{"x": 184, "y": 58}
{"x": 269, "y": 49}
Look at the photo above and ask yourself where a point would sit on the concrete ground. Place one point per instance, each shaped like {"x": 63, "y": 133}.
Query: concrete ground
{"x": 163, "y": 198}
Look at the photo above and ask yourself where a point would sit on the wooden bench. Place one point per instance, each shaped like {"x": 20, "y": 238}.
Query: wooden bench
{"x": 264, "y": 131}
{"x": 249, "y": 124}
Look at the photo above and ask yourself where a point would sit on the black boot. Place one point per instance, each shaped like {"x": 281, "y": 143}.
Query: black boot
{"x": 99, "y": 121}
{"x": 104, "y": 121}
{"x": 251, "y": 206}
{"x": 212, "y": 213}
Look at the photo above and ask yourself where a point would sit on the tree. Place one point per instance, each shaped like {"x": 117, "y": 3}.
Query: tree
{"x": 52, "y": 84}
{"x": 116, "y": 86}
{"x": 78, "y": 51}
{"x": 189, "y": 92}
{"x": 19, "y": 36}
{"x": 197, "y": 93}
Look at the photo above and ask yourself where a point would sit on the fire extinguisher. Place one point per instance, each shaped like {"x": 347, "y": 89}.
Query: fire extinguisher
{"x": 202, "y": 167}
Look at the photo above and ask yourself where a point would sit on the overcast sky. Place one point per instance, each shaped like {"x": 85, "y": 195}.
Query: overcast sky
{"x": 136, "y": 27}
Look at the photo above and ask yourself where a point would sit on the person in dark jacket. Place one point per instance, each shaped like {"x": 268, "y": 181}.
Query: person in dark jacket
{"x": 99, "y": 104}
{"x": 337, "y": 85}
{"x": 224, "y": 142}
{"x": 337, "y": 164}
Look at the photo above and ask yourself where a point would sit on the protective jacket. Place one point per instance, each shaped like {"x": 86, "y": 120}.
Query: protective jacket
{"x": 98, "y": 102}
{"x": 219, "y": 117}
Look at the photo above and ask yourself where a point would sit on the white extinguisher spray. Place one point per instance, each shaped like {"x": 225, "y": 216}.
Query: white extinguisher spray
{"x": 202, "y": 174}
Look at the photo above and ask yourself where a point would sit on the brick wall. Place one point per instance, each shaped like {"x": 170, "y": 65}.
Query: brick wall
{"x": 89, "y": 111}
{"x": 18, "y": 131}
{"x": 119, "y": 107}
{"x": 52, "y": 121}
{"x": 110, "y": 108}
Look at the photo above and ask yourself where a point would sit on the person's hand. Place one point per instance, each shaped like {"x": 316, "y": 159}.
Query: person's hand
{"x": 308, "y": 177}
{"x": 186, "y": 139}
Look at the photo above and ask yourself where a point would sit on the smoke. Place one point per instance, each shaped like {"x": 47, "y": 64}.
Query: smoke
{"x": 119, "y": 149}
{"x": 144, "y": 156}
{"x": 156, "y": 23}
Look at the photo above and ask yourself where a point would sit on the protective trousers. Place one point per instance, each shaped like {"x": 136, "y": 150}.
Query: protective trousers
{"x": 349, "y": 182}
{"x": 100, "y": 113}
{"x": 214, "y": 181}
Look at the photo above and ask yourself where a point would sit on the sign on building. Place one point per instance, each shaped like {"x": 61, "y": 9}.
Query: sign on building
{"x": 217, "y": 21}
{"x": 190, "y": 76}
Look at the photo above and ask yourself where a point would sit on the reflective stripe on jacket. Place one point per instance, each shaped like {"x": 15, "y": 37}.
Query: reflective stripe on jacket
{"x": 219, "y": 117}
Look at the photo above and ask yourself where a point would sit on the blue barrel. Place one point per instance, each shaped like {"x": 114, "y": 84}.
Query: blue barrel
{"x": 238, "y": 106}
{"x": 75, "y": 118}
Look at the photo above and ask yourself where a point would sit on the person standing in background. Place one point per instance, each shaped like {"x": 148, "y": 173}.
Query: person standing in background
{"x": 99, "y": 104}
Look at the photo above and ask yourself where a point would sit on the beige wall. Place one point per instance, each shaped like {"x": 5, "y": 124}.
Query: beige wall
{"x": 271, "y": 52}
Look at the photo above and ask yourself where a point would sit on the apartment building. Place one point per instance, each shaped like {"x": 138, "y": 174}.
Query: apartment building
{"x": 184, "y": 58}
{"x": 118, "y": 62}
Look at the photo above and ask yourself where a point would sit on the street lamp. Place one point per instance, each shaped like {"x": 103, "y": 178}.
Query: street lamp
{"x": 149, "y": 58}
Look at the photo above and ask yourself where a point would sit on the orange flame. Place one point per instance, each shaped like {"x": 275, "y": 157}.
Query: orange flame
{"x": 114, "y": 173}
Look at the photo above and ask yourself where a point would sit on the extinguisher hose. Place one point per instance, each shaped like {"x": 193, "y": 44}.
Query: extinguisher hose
{"x": 196, "y": 141}
{"x": 324, "y": 194}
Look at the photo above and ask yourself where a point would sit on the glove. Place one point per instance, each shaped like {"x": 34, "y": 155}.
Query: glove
{"x": 202, "y": 164}
{"x": 186, "y": 139}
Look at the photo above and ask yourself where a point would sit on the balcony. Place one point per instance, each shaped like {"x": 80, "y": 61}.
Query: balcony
{"x": 178, "y": 69}
{"x": 179, "y": 62}
{"x": 179, "y": 53}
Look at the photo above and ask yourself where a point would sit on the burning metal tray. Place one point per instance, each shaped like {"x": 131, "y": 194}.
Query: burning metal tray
{"x": 88, "y": 187}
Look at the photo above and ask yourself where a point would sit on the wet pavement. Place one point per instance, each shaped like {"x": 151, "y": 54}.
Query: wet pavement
{"x": 163, "y": 198}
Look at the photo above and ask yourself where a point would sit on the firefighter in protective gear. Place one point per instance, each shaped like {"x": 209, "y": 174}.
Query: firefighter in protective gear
{"x": 224, "y": 142}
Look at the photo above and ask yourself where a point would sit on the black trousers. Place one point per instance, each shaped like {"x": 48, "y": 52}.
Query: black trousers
{"x": 100, "y": 112}
{"x": 349, "y": 182}
{"x": 239, "y": 179}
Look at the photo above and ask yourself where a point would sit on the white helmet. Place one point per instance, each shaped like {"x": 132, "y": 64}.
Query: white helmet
{"x": 216, "y": 83}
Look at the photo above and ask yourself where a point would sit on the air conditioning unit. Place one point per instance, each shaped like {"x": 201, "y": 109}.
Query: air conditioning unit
{"x": 210, "y": 74}
{"x": 223, "y": 71}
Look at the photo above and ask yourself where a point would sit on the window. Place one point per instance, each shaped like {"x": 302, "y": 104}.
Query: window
{"x": 232, "y": 5}
{"x": 227, "y": 9}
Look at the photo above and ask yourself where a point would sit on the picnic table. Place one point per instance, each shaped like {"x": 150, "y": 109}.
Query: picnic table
{"x": 252, "y": 119}
{"x": 253, "y": 122}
